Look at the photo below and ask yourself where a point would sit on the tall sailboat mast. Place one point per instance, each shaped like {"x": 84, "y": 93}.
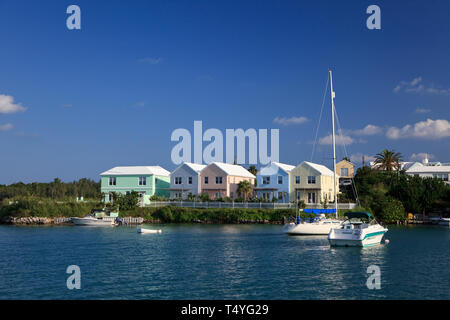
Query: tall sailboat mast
{"x": 334, "y": 143}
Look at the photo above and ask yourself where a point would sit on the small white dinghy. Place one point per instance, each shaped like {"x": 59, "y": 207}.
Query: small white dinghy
{"x": 143, "y": 230}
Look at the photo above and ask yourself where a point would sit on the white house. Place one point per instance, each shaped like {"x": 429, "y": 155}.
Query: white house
{"x": 440, "y": 172}
{"x": 184, "y": 180}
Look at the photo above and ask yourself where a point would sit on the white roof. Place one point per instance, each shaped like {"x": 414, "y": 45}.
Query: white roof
{"x": 136, "y": 170}
{"x": 274, "y": 167}
{"x": 285, "y": 167}
{"x": 234, "y": 170}
{"x": 194, "y": 166}
{"x": 321, "y": 168}
{"x": 429, "y": 169}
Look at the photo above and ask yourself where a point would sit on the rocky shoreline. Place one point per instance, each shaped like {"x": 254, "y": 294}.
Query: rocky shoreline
{"x": 61, "y": 220}
{"x": 26, "y": 220}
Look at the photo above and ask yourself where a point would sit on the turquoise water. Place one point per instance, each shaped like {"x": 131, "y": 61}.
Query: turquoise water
{"x": 218, "y": 262}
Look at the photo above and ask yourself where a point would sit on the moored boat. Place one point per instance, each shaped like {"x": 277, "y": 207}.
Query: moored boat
{"x": 444, "y": 222}
{"x": 92, "y": 221}
{"x": 317, "y": 226}
{"x": 143, "y": 230}
{"x": 320, "y": 225}
{"x": 360, "y": 230}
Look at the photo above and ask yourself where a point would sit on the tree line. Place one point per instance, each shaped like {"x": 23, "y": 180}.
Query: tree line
{"x": 391, "y": 194}
{"x": 57, "y": 190}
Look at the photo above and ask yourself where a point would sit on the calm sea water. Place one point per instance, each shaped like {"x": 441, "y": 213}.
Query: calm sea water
{"x": 218, "y": 262}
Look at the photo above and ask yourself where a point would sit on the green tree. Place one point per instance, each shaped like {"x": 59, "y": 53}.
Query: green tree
{"x": 252, "y": 169}
{"x": 391, "y": 210}
{"x": 244, "y": 189}
{"x": 129, "y": 201}
{"x": 388, "y": 160}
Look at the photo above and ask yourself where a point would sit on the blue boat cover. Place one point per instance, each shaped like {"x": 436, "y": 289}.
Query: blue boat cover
{"x": 319, "y": 211}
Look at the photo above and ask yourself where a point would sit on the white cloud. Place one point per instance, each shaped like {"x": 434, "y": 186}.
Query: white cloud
{"x": 151, "y": 60}
{"x": 421, "y": 156}
{"x": 340, "y": 140}
{"x": 416, "y": 86}
{"x": 291, "y": 120}
{"x": 6, "y": 127}
{"x": 429, "y": 129}
{"x": 422, "y": 110}
{"x": 368, "y": 130}
{"x": 7, "y": 105}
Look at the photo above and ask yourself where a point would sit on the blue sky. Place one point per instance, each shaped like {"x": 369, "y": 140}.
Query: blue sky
{"x": 74, "y": 103}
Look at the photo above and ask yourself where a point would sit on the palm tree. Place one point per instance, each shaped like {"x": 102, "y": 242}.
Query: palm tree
{"x": 244, "y": 189}
{"x": 252, "y": 169}
{"x": 388, "y": 160}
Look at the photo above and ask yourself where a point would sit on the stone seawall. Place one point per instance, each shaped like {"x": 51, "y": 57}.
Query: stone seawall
{"x": 26, "y": 220}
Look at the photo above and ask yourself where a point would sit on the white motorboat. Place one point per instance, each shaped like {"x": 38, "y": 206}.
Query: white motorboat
{"x": 143, "y": 230}
{"x": 444, "y": 222}
{"x": 360, "y": 230}
{"x": 322, "y": 225}
{"x": 92, "y": 221}
{"x": 317, "y": 226}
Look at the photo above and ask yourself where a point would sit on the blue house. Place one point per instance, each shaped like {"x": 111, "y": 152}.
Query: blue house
{"x": 273, "y": 182}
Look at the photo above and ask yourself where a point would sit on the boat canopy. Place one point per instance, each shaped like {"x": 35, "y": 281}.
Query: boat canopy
{"x": 319, "y": 211}
{"x": 360, "y": 215}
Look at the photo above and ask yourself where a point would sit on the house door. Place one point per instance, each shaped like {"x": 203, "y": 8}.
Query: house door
{"x": 311, "y": 197}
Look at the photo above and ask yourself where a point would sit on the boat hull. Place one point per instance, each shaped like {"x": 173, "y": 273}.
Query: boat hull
{"x": 307, "y": 229}
{"x": 92, "y": 222}
{"x": 444, "y": 222}
{"x": 143, "y": 230}
{"x": 342, "y": 239}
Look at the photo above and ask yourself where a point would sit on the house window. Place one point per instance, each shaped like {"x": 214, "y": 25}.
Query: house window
{"x": 206, "y": 180}
{"x": 280, "y": 196}
{"x": 112, "y": 181}
{"x": 311, "y": 197}
{"x": 142, "y": 181}
{"x": 311, "y": 179}
{"x": 266, "y": 180}
{"x": 218, "y": 195}
{"x": 110, "y": 197}
{"x": 297, "y": 179}
{"x": 218, "y": 180}
{"x": 189, "y": 180}
{"x": 280, "y": 179}
{"x": 231, "y": 194}
{"x": 178, "y": 180}
{"x": 297, "y": 195}
{"x": 344, "y": 172}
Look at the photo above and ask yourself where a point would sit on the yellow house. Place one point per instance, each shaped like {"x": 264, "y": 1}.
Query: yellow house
{"x": 312, "y": 183}
{"x": 346, "y": 172}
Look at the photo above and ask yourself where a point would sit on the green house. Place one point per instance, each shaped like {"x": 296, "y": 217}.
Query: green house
{"x": 146, "y": 180}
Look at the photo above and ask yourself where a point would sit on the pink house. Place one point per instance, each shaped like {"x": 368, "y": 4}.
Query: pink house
{"x": 220, "y": 180}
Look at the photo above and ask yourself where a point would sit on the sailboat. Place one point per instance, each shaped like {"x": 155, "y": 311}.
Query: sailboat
{"x": 319, "y": 225}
